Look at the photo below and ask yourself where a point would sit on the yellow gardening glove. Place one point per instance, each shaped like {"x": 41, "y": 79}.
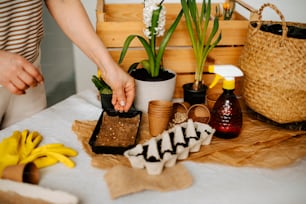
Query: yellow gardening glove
{"x": 29, "y": 141}
{"x": 50, "y": 154}
{"x": 22, "y": 147}
{"x": 46, "y": 155}
{"x": 9, "y": 154}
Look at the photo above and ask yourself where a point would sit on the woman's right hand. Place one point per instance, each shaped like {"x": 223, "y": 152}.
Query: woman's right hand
{"x": 122, "y": 85}
{"x": 17, "y": 74}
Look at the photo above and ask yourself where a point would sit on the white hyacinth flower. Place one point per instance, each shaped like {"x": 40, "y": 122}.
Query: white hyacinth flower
{"x": 149, "y": 7}
{"x": 160, "y": 30}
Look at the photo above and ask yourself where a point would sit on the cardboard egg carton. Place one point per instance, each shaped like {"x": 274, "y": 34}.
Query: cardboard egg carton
{"x": 170, "y": 146}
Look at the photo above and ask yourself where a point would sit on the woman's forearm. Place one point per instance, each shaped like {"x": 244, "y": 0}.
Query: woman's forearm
{"x": 73, "y": 20}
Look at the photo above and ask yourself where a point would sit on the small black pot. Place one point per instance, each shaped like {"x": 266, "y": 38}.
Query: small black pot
{"x": 194, "y": 96}
{"x": 106, "y": 102}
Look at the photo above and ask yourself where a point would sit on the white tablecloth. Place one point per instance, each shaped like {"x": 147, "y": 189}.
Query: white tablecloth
{"x": 212, "y": 183}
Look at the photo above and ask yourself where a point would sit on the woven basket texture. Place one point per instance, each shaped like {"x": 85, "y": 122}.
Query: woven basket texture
{"x": 275, "y": 75}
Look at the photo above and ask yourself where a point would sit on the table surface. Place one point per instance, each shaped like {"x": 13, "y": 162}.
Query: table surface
{"x": 212, "y": 183}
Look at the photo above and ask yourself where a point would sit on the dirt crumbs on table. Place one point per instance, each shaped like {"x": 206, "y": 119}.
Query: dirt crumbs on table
{"x": 117, "y": 131}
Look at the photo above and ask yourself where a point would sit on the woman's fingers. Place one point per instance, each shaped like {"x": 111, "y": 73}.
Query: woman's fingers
{"x": 33, "y": 75}
{"x": 17, "y": 74}
{"x": 118, "y": 101}
{"x": 15, "y": 90}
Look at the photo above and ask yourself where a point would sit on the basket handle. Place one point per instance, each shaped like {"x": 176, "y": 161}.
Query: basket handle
{"x": 100, "y": 6}
{"x": 279, "y": 13}
{"x": 246, "y": 6}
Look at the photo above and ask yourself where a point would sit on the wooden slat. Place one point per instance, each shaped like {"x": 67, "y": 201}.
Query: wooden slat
{"x": 129, "y": 19}
{"x": 128, "y": 12}
{"x": 233, "y": 33}
{"x": 121, "y": 20}
{"x": 182, "y": 60}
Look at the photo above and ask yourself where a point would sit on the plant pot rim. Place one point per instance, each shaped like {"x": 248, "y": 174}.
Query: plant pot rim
{"x": 149, "y": 81}
{"x": 188, "y": 86}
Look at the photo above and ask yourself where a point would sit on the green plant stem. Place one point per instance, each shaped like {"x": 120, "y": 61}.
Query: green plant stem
{"x": 197, "y": 25}
{"x": 146, "y": 46}
{"x": 154, "y": 24}
{"x": 165, "y": 41}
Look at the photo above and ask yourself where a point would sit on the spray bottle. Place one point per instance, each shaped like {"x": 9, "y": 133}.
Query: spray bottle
{"x": 226, "y": 115}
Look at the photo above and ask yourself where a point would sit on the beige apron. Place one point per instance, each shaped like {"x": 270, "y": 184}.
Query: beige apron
{"x": 14, "y": 108}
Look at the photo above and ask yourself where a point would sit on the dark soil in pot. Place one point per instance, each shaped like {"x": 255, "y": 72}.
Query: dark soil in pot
{"x": 142, "y": 74}
{"x": 194, "y": 96}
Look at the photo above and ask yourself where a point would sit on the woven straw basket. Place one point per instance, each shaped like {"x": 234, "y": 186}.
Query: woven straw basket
{"x": 275, "y": 71}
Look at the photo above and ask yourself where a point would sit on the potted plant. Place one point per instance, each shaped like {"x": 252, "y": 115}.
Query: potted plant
{"x": 105, "y": 91}
{"x": 227, "y": 9}
{"x": 149, "y": 71}
{"x": 203, "y": 41}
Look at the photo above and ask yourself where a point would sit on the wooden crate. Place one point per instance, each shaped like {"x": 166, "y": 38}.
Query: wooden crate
{"x": 116, "y": 21}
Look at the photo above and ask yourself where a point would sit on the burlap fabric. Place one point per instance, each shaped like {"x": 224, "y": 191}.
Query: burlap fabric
{"x": 259, "y": 145}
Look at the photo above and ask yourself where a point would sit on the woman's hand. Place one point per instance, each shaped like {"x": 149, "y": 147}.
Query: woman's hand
{"x": 17, "y": 74}
{"x": 122, "y": 85}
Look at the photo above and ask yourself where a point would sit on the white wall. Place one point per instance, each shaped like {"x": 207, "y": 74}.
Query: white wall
{"x": 84, "y": 68}
{"x": 57, "y": 62}
{"x": 293, "y": 10}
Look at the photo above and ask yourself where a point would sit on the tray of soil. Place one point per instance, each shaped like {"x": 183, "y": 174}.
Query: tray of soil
{"x": 115, "y": 132}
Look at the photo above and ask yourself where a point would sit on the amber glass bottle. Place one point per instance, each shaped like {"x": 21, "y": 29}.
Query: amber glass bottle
{"x": 226, "y": 116}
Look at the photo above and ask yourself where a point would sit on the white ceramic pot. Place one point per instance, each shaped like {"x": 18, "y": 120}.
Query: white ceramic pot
{"x": 153, "y": 90}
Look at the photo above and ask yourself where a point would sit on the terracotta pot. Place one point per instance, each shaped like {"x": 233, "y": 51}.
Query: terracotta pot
{"x": 199, "y": 113}
{"x": 27, "y": 173}
{"x": 160, "y": 113}
{"x": 181, "y": 107}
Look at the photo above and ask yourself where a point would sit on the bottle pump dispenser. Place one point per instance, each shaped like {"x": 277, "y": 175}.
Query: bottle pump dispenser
{"x": 226, "y": 115}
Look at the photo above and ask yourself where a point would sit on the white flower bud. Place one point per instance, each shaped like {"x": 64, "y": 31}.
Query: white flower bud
{"x": 149, "y": 7}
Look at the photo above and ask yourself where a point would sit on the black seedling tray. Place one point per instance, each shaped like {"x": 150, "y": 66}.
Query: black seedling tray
{"x": 113, "y": 149}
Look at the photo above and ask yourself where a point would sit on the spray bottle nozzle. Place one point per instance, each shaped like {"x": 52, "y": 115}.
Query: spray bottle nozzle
{"x": 215, "y": 81}
{"x": 228, "y": 72}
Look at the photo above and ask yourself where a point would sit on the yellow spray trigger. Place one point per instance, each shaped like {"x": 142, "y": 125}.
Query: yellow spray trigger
{"x": 215, "y": 81}
{"x": 228, "y": 72}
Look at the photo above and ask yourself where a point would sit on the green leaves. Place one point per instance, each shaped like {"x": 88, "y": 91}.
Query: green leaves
{"x": 197, "y": 25}
{"x": 166, "y": 39}
{"x": 101, "y": 85}
{"x": 147, "y": 47}
{"x": 154, "y": 62}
